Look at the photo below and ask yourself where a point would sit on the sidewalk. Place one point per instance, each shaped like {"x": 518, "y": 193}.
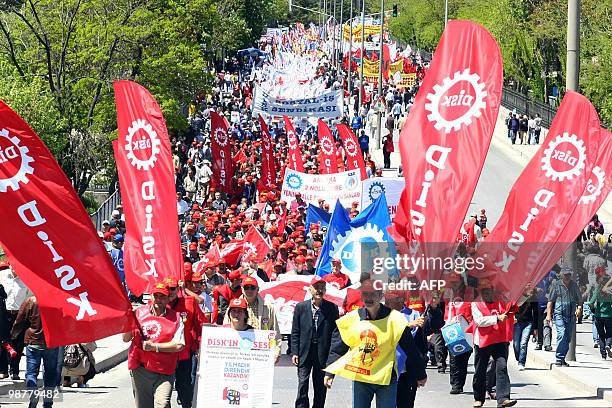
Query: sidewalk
{"x": 589, "y": 373}
{"x": 111, "y": 352}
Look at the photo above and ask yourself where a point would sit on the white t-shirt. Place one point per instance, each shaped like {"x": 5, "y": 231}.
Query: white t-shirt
{"x": 206, "y": 305}
{"x": 182, "y": 207}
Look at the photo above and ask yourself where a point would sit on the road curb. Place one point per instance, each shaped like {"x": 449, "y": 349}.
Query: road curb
{"x": 563, "y": 374}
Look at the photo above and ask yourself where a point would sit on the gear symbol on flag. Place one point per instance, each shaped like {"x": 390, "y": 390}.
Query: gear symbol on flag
{"x": 376, "y": 189}
{"x": 228, "y": 248}
{"x": 327, "y": 145}
{"x": 350, "y": 147}
{"x": 267, "y": 143}
{"x": 578, "y": 163}
{"x": 221, "y": 137}
{"x": 347, "y": 247}
{"x": 137, "y": 125}
{"x": 294, "y": 181}
{"x": 24, "y": 169}
{"x": 249, "y": 250}
{"x": 595, "y": 192}
{"x": 475, "y": 110}
{"x": 292, "y": 139}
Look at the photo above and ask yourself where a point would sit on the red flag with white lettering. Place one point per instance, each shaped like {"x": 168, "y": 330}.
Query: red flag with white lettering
{"x": 295, "y": 154}
{"x": 231, "y": 252}
{"x": 222, "y": 165}
{"x": 446, "y": 137}
{"x": 268, "y": 172}
{"x": 525, "y": 242}
{"x": 255, "y": 247}
{"x": 354, "y": 157}
{"x": 327, "y": 150}
{"x": 144, "y": 164}
{"x": 52, "y": 244}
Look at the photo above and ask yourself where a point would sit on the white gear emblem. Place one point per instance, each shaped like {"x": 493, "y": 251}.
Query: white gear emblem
{"x": 24, "y": 168}
{"x": 221, "y": 137}
{"x": 327, "y": 145}
{"x": 476, "y": 107}
{"x": 577, "y": 163}
{"x": 130, "y": 144}
{"x": 350, "y": 147}
{"x": 347, "y": 247}
{"x": 228, "y": 248}
{"x": 151, "y": 329}
{"x": 266, "y": 142}
{"x": 594, "y": 190}
{"x": 292, "y": 140}
{"x": 249, "y": 250}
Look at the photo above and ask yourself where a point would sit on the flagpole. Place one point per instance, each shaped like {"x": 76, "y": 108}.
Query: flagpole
{"x": 341, "y": 39}
{"x": 350, "y": 53}
{"x": 380, "y": 69}
{"x": 362, "y": 52}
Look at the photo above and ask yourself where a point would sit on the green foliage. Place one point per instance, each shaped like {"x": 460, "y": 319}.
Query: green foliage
{"x": 531, "y": 35}
{"x": 90, "y": 203}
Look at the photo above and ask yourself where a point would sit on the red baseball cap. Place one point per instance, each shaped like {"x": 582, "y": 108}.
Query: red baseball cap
{"x": 249, "y": 280}
{"x": 316, "y": 279}
{"x": 239, "y": 303}
{"x": 171, "y": 282}
{"x": 4, "y": 265}
{"x": 197, "y": 277}
{"x": 235, "y": 275}
{"x": 160, "y": 288}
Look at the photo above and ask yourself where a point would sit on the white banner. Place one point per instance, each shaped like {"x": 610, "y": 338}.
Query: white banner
{"x": 391, "y": 186}
{"x": 345, "y": 186}
{"x": 236, "y": 368}
{"x": 325, "y": 105}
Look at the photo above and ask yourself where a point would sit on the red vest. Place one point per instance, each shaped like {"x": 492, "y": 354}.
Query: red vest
{"x": 158, "y": 329}
{"x": 189, "y": 313}
{"x": 498, "y": 333}
{"x": 455, "y": 306}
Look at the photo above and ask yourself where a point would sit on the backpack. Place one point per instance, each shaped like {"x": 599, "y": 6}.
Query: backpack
{"x": 73, "y": 356}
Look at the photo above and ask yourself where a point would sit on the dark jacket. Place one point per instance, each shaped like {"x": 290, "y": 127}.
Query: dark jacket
{"x": 415, "y": 362}
{"x": 28, "y": 319}
{"x": 301, "y": 330}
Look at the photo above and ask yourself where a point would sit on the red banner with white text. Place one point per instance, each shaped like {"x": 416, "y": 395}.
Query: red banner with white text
{"x": 527, "y": 240}
{"x": 354, "y": 157}
{"x": 152, "y": 249}
{"x": 222, "y": 165}
{"x": 255, "y": 247}
{"x": 446, "y": 137}
{"x": 52, "y": 244}
{"x": 295, "y": 154}
{"x": 268, "y": 172}
{"x": 327, "y": 150}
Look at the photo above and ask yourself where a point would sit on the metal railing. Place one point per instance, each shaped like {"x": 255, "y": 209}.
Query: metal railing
{"x": 524, "y": 105}
{"x": 106, "y": 209}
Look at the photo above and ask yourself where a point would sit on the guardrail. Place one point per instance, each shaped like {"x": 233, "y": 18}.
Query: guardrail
{"x": 527, "y": 106}
{"x": 106, "y": 209}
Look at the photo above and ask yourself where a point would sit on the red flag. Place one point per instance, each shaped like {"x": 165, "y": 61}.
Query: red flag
{"x": 231, "y": 252}
{"x": 282, "y": 223}
{"x": 445, "y": 140}
{"x": 327, "y": 150}
{"x": 526, "y": 241}
{"x": 144, "y": 163}
{"x": 255, "y": 246}
{"x": 213, "y": 254}
{"x": 354, "y": 157}
{"x": 240, "y": 157}
{"x": 222, "y": 166}
{"x": 268, "y": 173}
{"x": 295, "y": 155}
{"x": 52, "y": 245}
{"x": 386, "y": 61}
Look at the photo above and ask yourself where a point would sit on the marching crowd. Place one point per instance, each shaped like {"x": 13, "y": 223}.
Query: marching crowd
{"x": 395, "y": 339}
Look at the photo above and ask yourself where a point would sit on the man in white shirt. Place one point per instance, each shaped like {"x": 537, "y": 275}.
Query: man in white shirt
{"x": 17, "y": 292}
{"x": 181, "y": 205}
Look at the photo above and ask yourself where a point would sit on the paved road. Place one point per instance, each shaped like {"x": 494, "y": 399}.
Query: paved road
{"x": 533, "y": 388}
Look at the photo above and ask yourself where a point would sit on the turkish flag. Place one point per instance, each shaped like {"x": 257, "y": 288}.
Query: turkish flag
{"x": 295, "y": 154}
{"x": 222, "y": 165}
{"x": 254, "y": 247}
{"x": 354, "y": 157}
{"x": 146, "y": 177}
{"x": 327, "y": 150}
{"x": 268, "y": 172}
{"x": 448, "y": 131}
{"x": 540, "y": 220}
{"x": 52, "y": 245}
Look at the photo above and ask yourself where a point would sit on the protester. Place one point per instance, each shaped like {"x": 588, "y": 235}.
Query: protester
{"x": 526, "y": 318}
{"x": 314, "y": 321}
{"x": 601, "y": 307}
{"x": 79, "y": 362}
{"x": 224, "y": 294}
{"x": 154, "y": 350}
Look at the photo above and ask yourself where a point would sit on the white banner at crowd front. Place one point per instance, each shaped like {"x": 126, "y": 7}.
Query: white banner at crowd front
{"x": 391, "y": 186}
{"x": 325, "y": 105}
{"x": 344, "y": 186}
{"x": 236, "y": 368}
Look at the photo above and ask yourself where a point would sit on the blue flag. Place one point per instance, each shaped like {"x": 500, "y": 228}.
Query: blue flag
{"x": 316, "y": 215}
{"x": 358, "y": 241}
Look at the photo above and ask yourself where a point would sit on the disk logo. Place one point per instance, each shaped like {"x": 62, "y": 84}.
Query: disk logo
{"x": 142, "y": 145}
{"x": 564, "y": 157}
{"x": 14, "y": 162}
{"x": 350, "y": 147}
{"x": 327, "y": 145}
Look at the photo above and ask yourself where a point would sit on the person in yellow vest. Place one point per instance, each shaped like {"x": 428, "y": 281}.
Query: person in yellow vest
{"x": 363, "y": 350}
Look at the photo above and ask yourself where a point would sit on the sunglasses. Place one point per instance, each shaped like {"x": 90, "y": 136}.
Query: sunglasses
{"x": 250, "y": 287}
{"x": 174, "y": 288}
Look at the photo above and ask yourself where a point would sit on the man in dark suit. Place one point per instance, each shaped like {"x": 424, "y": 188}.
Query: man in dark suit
{"x": 314, "y": 321}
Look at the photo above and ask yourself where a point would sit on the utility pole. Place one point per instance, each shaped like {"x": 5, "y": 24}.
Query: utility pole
{"x": 350, "y": 53}
{"x": 334, "y": 36}
{"x": 572, "y": 79}
{"x": 445, "y": 12}
{"x": 380, "y": 70}
{"x": 341, "y": 39}
{"x": 362, "y": 52}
